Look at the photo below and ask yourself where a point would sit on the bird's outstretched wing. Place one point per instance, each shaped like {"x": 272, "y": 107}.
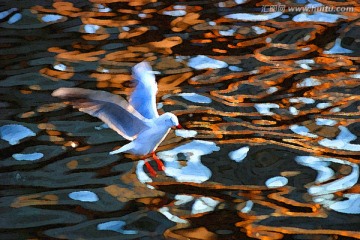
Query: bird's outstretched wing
{"x": 112, "y": 109}
{"x": 143, "y": 98}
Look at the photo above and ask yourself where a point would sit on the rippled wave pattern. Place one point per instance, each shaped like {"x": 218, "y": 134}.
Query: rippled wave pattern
{"x": 269, "y": 98}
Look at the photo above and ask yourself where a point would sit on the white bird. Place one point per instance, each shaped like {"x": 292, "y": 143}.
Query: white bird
{"x": 136, "y": 120}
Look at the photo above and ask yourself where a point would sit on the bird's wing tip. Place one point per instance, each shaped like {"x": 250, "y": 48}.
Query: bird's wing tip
{"x": 56, "y": 92}
{"x": 143, "y": 64}
{"x": 141, "y": 67}
{"x": 59, "y": 92}
{"x": 119, "y": 150}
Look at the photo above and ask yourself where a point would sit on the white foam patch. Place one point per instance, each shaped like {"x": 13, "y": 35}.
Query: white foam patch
{"x": 196, "y": 98}
{"x": 141, "y": 175}
{"x": 203, "y": 62}
{"x": 325, "y": 174}
{"x": 349, "y": 206}
{"x": 194, "y": 171}
{"x": 313, "y": 4}
{"x": 84, "y": 196}
{"x": 302, "y": 100}
{"x": 204, "y": 204}
{"x": 159, "y": 105}
{"x": 323, "y": 105}
{"x": 235, "y": 68}
{"x": 304, "y": 63}
{"x": 308, "y": 82}
{"x": 305, "y": 66}
{"x": 51, "y": 18}
{"x": 335, "y": 109}
{"x": 178, "y": 7}
{"x": 170, "y": 216}
{"x": 278, "y": 181}
{"x": 116, "y": 226}
{"x": 185, "y": 133}
{"x": 264, "y": 108}
{"x": 6, "y": 13}
{"x": 325, "y": 199}
{"x": 27, "y": 156}
{"x": 271, "y": 90}
{"x": 239, "y": 154}
{"x": 325, "y": 122}
{"x": 342, "y": 141}
{"x": 254, "y": 17}
{"x": 229, "y": 32}
{"x": 91, "y": 28}
{"x": 293, "y": 111}
{"x": 175, "y": 13}
{"x": 302, "y": 130}
{"x": 248, "y": 206}
{"x": 337, "y": 48}
{"x": 305, "y": 49}
{"x": 102, "y": 8}
{"x": 15, "y": 18}
{"x": 317, "y": 17}
{"x": 13, "y": 133}
{"x": 240, "y": 1}
{"x": 182, "y": 199}
{"x": 356, "y": 75}
{"x": 60, "y": 67}
{"x": 258, "y": 30}
{"x": 338, "y": 185}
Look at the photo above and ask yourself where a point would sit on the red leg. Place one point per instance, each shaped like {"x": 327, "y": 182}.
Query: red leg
{"x": 150, "y": 168}
{"x": 159, "y": 163}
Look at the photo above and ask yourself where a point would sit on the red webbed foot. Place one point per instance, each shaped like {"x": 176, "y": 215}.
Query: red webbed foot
{"x": 159, "y": 163}
{"x": 150, "y": 168}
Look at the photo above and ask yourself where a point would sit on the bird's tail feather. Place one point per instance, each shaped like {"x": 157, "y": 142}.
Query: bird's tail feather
{"x": 123, "y": 148}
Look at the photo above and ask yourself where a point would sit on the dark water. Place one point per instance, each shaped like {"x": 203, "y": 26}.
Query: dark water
{"x": 274, "y": 101}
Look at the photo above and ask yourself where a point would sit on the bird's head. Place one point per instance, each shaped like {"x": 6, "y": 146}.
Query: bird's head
{"x": 171, "y": 120}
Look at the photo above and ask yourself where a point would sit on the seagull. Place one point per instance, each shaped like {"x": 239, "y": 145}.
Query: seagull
{"x": 137, "y": 120}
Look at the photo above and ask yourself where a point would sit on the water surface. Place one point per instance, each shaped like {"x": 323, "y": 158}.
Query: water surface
{"x": 271, "y": 102}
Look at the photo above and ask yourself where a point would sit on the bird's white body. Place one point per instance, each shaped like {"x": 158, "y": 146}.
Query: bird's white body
{"x": 136, "y": 120}
{"x": 148, "y": 140}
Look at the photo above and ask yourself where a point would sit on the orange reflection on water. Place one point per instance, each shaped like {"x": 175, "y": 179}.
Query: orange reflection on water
{"x": 73, "y": 56}
{"x": 173, "y": 81}
{"x": 200, "y": 233}
{"x": 81, "y": 149}
{"x": 267, "y": 232}
{"x": 133, "y": 33}
{"x": 164, "y": 46}
{"x": 72, "y": 164}
{"x": 182, "y": 23}
{"x": 35, "y": 200}
{"x": 125, "y": 194}
{"x": 54, "y": 74}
